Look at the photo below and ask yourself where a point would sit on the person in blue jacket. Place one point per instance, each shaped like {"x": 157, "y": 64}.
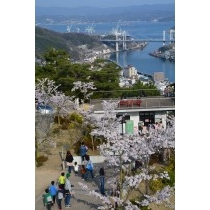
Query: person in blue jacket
{"x": 53, "y": 190}
{"x": 83, "y": 151}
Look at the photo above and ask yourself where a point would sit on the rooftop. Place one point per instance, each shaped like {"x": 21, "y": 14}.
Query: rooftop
{"x": 141, "y": 104}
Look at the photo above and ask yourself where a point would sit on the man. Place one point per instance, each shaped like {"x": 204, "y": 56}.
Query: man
{"x": 67, "y": 191}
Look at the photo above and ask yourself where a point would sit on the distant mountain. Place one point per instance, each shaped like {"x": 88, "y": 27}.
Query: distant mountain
{"x": 76, "y": 44}
{"x": 140, "y": 12}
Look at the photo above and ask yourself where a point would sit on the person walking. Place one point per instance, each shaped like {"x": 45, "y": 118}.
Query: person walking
{"x": 76, "y": 168}
{"x": 69, "y": 161}
{"x": 102, "y": 180}
{"x": 83, "y": 171}
{"x": 61, "y": 180}
{"x": 53, "y": 190}
{"x": 83, "y": 152}
{"x": 67, "y": 191}
{"x": 47, "y": 199}
{"x": 59, "y": 196}
{"x": 89, "y": 168}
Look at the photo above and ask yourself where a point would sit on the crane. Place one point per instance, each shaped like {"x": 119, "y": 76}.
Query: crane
{"x": 90, "y": 29}
{"x": 69, "y": 28}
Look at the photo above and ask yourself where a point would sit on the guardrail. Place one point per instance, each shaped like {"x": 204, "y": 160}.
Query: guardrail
{"x": 134, "y": 103}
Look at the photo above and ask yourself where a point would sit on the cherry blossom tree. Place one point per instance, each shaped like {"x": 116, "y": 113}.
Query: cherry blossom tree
{"x": 83, "y": 90}
{"x": 63, "y": 104}
{"x": 120, "y": 150}
{"x": 46, "y": 93}
{"x": 44, "y": 90}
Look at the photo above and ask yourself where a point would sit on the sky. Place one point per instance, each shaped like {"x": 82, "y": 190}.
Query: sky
{"x": 97, "y": 3}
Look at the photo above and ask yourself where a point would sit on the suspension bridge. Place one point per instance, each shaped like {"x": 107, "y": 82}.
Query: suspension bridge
{"x": 121, "y": 37}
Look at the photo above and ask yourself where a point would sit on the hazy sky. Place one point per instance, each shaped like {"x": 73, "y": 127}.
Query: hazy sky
{"x": 97, "y": 3}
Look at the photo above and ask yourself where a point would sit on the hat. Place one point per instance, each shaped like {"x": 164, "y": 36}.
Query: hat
{"x": 68, "y": 175}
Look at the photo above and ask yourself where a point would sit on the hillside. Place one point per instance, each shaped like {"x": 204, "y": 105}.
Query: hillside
{"x": 76, "y": 44}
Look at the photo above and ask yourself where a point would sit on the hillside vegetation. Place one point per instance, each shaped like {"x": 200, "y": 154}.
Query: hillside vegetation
{"x": 76, "y": 44}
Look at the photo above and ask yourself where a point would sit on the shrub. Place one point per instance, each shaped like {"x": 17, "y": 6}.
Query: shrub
{"x": 40, "y": 160}
{"x": 156, "y": 185}
{"x": 76, "y": 118}
{"x": 171, "y": 172}
{"x": 38, "y": 164}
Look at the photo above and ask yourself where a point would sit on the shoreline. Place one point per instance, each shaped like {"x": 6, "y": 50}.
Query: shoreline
{"x": 129, "y": 49}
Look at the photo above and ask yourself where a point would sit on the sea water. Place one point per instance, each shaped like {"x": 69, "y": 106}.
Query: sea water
{"x": 140, "y": 59}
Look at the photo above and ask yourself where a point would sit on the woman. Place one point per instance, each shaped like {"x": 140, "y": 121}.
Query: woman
{"x": 102, "y": 180}
{"x": 69, "y": 161}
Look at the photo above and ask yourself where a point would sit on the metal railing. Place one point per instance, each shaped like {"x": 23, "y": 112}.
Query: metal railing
{"x": 141, "y": 103}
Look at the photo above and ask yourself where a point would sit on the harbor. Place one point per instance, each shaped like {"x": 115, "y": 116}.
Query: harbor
{"x": 138, "y": 57}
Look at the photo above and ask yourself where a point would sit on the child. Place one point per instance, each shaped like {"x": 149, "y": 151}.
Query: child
{"x": 61, "y": 180}
{"x": 83, "y": 171}
{"x": 59, "y": 196}
{"x": 47, "y": 199}
{"x": 53, "y": 190}
{"x": 76, "y": 168}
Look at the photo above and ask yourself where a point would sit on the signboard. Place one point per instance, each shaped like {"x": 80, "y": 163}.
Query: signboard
{"x": 129, "y": 127}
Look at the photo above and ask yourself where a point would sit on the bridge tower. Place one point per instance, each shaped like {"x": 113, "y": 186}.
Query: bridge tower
{"x": 164, "y": 37}
{"x": 124, "y": 40}
{"x": 117, "y": 44}
{"x": 172, "y": 32}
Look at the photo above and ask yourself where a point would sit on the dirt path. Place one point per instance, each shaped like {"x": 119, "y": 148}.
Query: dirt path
{"x": 48, "y": 172}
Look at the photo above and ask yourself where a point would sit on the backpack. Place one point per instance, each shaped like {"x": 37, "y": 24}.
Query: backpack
{"x": 89, "y": 166}
{"x": 49, "y": 198}
{"x": 66, "y": 186}
{"x": 60, "y": 195}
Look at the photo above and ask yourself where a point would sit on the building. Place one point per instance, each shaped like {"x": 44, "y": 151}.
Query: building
{"x": 149, "y": 111}
{"x": 158, "y": 76}
{"x": 129, "y": 71}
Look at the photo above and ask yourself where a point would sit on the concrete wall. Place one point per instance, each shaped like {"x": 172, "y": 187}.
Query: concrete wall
{"x": 94, "y": 159}
{"x": 161, "y": 116}
{"x": 135, "y": 117}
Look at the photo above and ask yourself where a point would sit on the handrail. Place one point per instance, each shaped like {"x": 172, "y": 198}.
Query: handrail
{"x": 144, "y": 102}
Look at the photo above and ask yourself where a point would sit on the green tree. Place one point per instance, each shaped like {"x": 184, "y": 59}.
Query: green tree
{"x": 55, "y": 61}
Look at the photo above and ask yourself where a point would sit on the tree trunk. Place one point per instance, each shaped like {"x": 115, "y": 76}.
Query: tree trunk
{"x": 121, "y": 177}
{"x": 146, "y": 181}
{"x": 92, "y": 143}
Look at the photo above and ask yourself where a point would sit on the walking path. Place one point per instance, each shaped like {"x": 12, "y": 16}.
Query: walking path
{"x": 81, "y": 199}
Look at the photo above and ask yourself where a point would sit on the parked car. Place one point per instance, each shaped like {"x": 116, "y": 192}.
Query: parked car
{"x": 44, "y": 109}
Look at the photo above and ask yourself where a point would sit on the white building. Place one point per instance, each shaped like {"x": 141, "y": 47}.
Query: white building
{"x": 150, "y": 111}
{"x": 129, "y": 71}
